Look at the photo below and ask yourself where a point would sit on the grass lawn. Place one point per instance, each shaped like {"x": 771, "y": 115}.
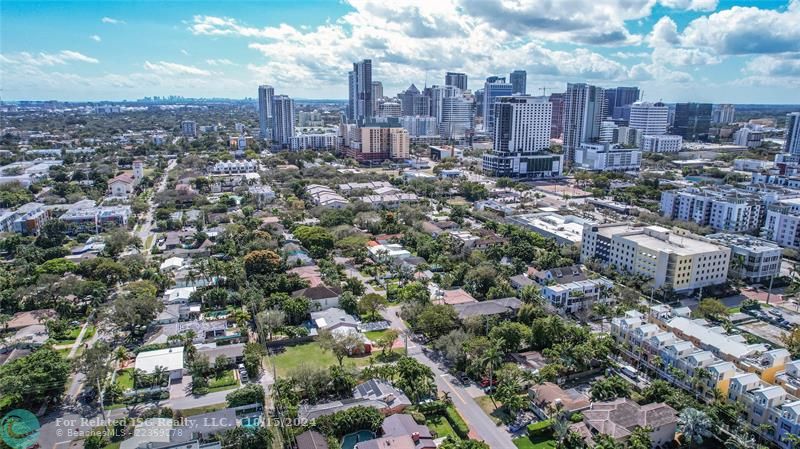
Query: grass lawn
{"x": 526, "y": 442}
{"x": 311, "y": 353}
{"x": 441, "y": 426}
{"x": 201, "y": 410}
{"x": 113, "y": 445}
{"x": 375, "y": 335}
{"x": 125, "y": 379}
{"x": 148, "y": 241}
{"x": 499, "y": 415}
{"x": 225, "y": 382}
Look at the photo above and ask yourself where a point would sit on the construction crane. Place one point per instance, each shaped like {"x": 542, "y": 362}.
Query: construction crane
{"x": 545, "y": 89}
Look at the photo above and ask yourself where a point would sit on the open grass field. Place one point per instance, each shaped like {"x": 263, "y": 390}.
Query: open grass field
{"x": 311, "y": 353}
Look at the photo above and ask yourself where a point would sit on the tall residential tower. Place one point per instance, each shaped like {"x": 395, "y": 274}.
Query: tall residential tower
{"x": 583, "y": 112}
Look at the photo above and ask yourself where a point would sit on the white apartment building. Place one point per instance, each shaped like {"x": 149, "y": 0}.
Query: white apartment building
{"x": 664, "y": 143}
{"x": 681, "y": 262}
{"x": 723, "y": 209}
{"x": 752, "y": 259}
{"x": 234, "y": 167}
{"x": 579, "y": 295}
{"x": 747, "y": 137}
{"x": 324, "y": 141}
{"x": 607, "y": 157}
{"x": 649, "y": 118}
{"x": 564, "y": 229}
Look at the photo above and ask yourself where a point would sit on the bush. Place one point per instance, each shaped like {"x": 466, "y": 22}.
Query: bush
{"x": 250, "y": 394}
{"x": 433, "y": 408}
{"x": 576, "y": 417}
{"x": 458, "y": 424}
{"x": 419, "y": 418}
{"x": 540, "y": 429}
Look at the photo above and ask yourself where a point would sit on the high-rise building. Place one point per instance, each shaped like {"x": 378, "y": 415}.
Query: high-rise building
{"x": 494, "y": 88}
{"x": 619, "y": 97}
{"x": 583, "y": 111}
{"x": 265, "y": 94}
{"x": 692, "y": 121}
{"x": 649, "y": 118}
{"x": 792, "y": 134}
{"x": 437, "y": 94}
{"x": 557, "y": 123}
{"x": 518, "y": 82}
{"x": 360, "y": 98}
{"x": 456, "y": 79}
{"x": 189, "y": 128}
{"x": 412, "y": 102}
{"x": 456, "y": 121}
{"x": 479, "y": 103}
{"x": 419, "y": 125}
{"x": 522, "y": 139}
{"x": 377, "y": 94}
{"x": 283, "y": 114}
{"x": 379, "y": 140}
{"x": 390, "y": 109}
{"x": 723, "y": 114}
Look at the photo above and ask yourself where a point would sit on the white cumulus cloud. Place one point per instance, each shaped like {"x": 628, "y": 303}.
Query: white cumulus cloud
{"x": 174, "y": 69}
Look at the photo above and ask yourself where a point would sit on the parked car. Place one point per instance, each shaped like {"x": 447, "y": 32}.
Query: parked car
{"x": 775, "y": 312}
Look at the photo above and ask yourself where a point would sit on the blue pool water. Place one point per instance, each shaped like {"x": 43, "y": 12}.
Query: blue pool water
{"x": 251, "y": 422}
{"x": 349, "y": 441}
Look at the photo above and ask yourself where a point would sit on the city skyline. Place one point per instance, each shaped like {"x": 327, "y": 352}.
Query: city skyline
{"x": 726, "y": 51}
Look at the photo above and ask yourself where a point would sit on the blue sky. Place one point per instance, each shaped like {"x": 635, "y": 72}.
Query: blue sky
{"x": 741, "y": 51}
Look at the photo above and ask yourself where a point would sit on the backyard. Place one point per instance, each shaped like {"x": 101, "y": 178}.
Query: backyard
{"x": 540, "y": 442}
{"x": 226, "y": 381}
{"x": 441, "y": 427}
{"x": 498, "y": 414}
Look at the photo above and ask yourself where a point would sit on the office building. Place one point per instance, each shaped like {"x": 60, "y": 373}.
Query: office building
{"x": 412, "y": 102}
{"x": 456, "y": 79}
{"x": 189, "y": 128}
{"x": 680, "y": 262}
{"x": 692, "y": 121}
{"x": 619, "y": 100}
{"x": 283, "y": 120}
{"x": 752, "y": 259}
{"x": 722, "y": 208}
{"x": 564, "y": 229}
{"x": 419, "y": 125}
{"x": 389, "y": 109}
{"x": 747, "y": 137}
{"x": 792, "y": 134}
{"x": 518, "y": 80}
{"x": 607, "y": 157}
{"x": 309, "y": 119}
{"x": 649, "y": 118}
{"x": 479, "y": 103}
{"x": 377, "y": 94}
{"x": 522, "y": 139}
{"x": 438, "y": 94}
{"x": 583, "y": 112}
{"x": 359, "y": 105}
{"x": 609, "y": 131}
{"x": 557, "y": 120}
{"x": 627, "y": 136}
{"x": 494, "y": 88}
{"x": 723, "y": 114}
{"x": 665, "y": 143}
{"x": 456, "y": 117}
{"x": 265, "y": 95}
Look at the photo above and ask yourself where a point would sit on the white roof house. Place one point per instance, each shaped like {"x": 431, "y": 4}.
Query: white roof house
{"x": 173, "y": 263}
{"x": 179, "y": 294}
{"x": 171, "y": 359}
{"x": 151, "y": 430}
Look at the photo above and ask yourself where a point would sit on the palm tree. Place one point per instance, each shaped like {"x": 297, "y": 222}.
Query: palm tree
{"x": 601, "y": 310}
{"x": 694, "y": 426}
{"x": 159, "y": 372}
{"x": 738, "y": 440}
{"x": 120, "y": 356}
{"x": 137, "y": 375}
{"x": 792, "y": 440}
{"x": 491, "y": 359}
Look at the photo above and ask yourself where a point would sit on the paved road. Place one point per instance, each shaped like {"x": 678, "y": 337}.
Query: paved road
{"x": 147, "y": 223}
{"x": 478, "y": 421}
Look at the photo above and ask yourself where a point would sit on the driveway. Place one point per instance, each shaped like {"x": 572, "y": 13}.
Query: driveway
{"x": 478, "y": 421}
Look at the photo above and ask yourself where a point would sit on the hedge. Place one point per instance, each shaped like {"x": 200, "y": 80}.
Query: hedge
{"x": 458, "y": 424}
{"x": 540, "y": 428}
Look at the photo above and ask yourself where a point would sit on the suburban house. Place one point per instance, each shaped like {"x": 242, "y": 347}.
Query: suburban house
{"x": 311, "y": 439}
{"x": 400, "y": 432}
{"x": 493, "y": 307}
{"x": 171, "y": 359}
{"x": 322, "y": 297}
{"x": 620, "y": 417}
{"x": 379, "y": 390}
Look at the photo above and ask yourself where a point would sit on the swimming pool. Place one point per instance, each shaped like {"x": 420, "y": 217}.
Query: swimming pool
{"x": 349, "y": 441}
{"x": 252, "y": 421}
